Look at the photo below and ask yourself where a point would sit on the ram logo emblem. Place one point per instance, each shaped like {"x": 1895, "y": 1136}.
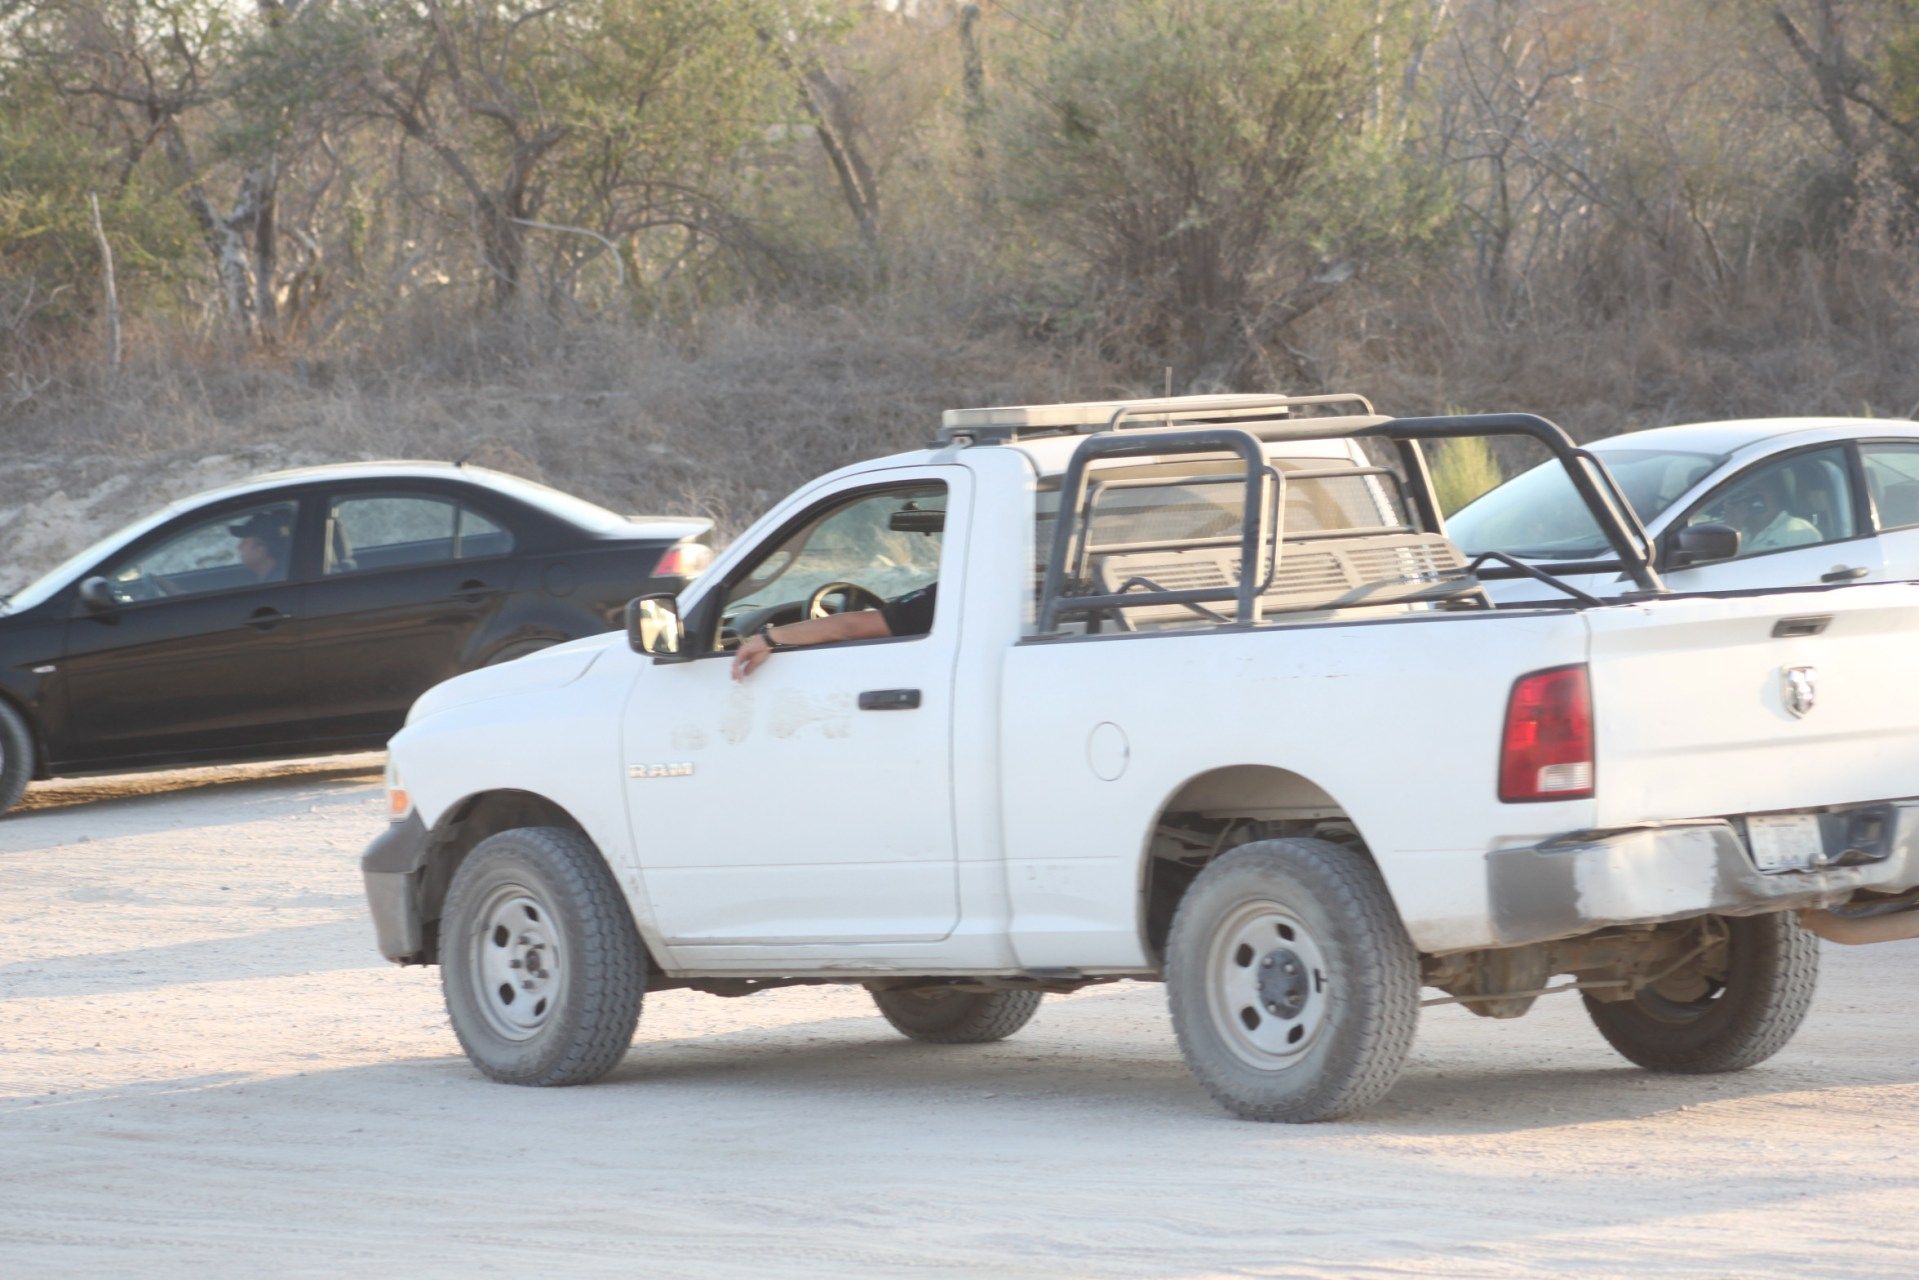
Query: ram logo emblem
{"x": 680, "y": 769}
{"x": 1799, "y": 688}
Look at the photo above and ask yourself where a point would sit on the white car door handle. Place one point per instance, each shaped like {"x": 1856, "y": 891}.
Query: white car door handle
{"x": 1845, "y": 573}
{"x": 890, "y": 700}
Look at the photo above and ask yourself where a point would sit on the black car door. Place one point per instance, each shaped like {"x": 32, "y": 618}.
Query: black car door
{"x": 199, "y": 655}
{"x": 409, "y": 579}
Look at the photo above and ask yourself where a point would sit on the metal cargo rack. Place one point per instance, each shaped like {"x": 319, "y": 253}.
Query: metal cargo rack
{"x": 1007, "y": 424}
{"x": 1344, "y": 568}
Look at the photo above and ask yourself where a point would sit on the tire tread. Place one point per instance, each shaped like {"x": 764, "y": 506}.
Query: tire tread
{"x": 610, "y": 973}
{"x": 1769, "y": 1014}
{"x": 1386, "y": 981}
{"x": 17, "y": 750}
{"x": 983, "y": 1017}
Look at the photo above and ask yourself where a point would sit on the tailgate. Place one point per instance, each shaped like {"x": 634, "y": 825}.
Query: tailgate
{"x": 1710, "y": 707}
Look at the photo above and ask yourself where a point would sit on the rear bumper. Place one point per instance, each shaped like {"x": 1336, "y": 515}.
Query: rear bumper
{"x": 393, "y": 866}
{"x": 1578, "y": 883}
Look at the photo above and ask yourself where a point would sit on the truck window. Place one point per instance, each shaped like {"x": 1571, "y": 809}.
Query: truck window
{"x": 882, "y": 543}
{"x": 1171, "y": 510}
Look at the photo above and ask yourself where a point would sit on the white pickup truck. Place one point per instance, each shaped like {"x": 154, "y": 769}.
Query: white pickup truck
{"x": 1207, "y": 698}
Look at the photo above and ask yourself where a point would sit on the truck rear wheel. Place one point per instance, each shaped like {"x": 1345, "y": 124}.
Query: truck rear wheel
{"x": 941, "y": 1015}
{"x": 542, "y": 968}
{"x": 1293, "y": 986}
{"x": 1734, "y": 1014}
{"x": 16, "y": 757}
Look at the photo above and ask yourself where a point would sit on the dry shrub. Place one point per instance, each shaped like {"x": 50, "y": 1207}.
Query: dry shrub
{"x": 724, "y": 417}
{"x": 1801, "y": 335}
{"x": 1462, "y": 470}
{"x": 722, "y": 422}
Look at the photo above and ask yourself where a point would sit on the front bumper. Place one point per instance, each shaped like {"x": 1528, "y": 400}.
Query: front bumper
{"x": 1579, "y": 883}
{"x": 394, "y": 865}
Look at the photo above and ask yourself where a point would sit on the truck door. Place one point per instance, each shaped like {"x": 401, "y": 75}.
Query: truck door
{"x": 810, "y": 804}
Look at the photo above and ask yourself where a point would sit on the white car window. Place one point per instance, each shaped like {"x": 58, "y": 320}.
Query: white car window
{"x": 1539, "y": 514}
{"x": 1801, "y": 500}
{"x": 1892, "y": 474}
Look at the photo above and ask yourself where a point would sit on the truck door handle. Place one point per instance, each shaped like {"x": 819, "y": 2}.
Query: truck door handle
{"x": 267, "y": 618}
{"x": 1844, "y": 573}
{"x": 890, "y": 700}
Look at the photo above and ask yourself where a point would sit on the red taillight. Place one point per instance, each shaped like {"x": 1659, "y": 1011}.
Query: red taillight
{"x": 1546, "y": 752}
{"x": 683, "y": 560}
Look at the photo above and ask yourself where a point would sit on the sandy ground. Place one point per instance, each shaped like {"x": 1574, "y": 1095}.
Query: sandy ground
{"x": 205, "y": 1070}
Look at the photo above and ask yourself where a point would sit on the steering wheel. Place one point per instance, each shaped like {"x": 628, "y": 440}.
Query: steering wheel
{"x": 852, "y": 597}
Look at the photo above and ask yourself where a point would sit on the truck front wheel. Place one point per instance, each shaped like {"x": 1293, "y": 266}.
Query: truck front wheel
{"x": 542, "y": 967}
{"x": 1732, "y": 1011}
{"x": 941, "y": 1015}
{"x": 1293, "y": 986}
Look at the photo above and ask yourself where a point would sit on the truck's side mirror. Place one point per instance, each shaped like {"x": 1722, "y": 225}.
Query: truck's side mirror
{"x": 1697, "y": 543}
{"x": 653, "y": 627}
{"x": 97, "y": 594}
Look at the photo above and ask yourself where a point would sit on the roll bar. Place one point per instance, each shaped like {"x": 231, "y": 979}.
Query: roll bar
{"x": 1610, "y": 509}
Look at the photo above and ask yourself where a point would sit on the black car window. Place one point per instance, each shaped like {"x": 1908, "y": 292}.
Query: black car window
{"x": 241, "y": 548}
{"x": 388, "y": 531}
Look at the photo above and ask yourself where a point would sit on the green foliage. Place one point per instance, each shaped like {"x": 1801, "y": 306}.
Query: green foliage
{"x": 626, "y": 118}
{"x": 1462, "y": 470}
{"x": 1256, "y": 194}
{"x": 1216, "y": 168}
{"x": 52, "y": 159}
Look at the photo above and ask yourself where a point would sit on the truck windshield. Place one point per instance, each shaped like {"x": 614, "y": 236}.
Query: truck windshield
{"x": 1539, "y": 514}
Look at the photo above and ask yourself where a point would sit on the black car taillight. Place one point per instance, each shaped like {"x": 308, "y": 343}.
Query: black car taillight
{"x": 683, "y": 560}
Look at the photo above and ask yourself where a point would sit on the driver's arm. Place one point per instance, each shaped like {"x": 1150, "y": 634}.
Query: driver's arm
{"x": 867, "y": 624}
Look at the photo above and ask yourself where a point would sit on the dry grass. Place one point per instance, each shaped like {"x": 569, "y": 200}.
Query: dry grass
{"x": 1806, "y": 336}
{"x": 721, "y": 423}
{"x": 725, "y": 418}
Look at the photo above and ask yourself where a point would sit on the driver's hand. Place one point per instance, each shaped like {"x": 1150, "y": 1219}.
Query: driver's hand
{"x": 751, "y": 653}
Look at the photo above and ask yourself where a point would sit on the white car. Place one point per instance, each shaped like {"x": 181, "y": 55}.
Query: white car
{"x": 1203, "y": 697}
{"x": 1813, "y": 500}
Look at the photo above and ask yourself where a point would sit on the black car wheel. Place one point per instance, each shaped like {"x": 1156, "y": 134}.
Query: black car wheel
{"x": 16, "y": 757}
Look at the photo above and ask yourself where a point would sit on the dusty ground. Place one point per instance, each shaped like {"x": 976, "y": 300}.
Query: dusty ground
{"x": 205, "y": 1070}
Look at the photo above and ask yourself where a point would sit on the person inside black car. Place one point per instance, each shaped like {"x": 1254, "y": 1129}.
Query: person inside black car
{"x": 264, "y": 538}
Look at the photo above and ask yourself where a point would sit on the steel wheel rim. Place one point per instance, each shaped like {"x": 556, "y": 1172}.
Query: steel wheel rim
{"x": 517, "y": 963}
{"x": 1268, "y": 1014}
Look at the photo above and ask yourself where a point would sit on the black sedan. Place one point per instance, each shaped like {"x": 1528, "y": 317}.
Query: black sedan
{"x": 302, "y": 613}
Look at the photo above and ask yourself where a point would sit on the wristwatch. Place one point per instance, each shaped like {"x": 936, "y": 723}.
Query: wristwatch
{"x": 766, "y": 633}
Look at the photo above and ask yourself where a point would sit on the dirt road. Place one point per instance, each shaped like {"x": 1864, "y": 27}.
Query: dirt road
{"x": 205, "y": 1070}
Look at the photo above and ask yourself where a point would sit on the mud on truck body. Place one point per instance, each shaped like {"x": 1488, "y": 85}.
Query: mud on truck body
{"x": 1208, "y": 698}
